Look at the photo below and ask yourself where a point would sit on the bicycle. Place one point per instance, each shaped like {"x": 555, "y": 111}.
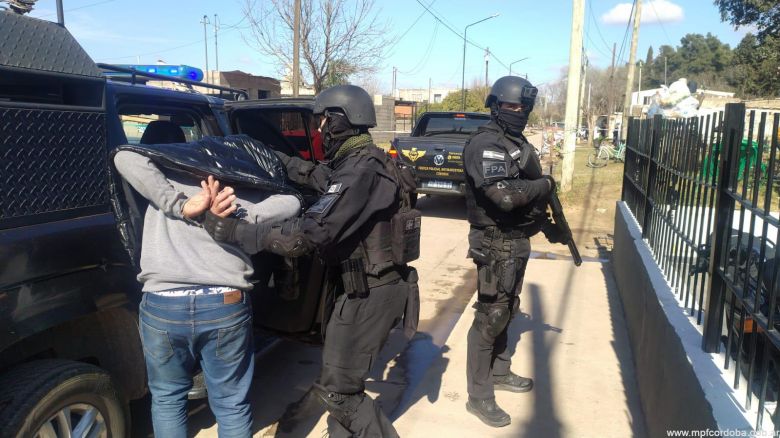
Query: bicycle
{"x": 605, "y": 154}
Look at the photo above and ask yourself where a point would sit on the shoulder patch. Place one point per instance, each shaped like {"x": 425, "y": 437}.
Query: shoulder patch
{"x": 322, "y": 206}
{"x": 492, "y": 155}
{"x": 334, "y": 188}
{"x": 494, "y": 169}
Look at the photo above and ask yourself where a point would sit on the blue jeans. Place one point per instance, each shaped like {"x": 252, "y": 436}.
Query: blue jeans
{"x": 176, "y": 332}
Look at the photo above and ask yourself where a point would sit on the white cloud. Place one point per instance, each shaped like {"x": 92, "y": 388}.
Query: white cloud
{"x": 654, "y": 11}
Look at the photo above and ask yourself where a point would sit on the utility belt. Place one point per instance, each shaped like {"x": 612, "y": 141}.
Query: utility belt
{"x": 501, "y": 260}
{"x": 357, "y": 282}
{"x": 512, "y": 233}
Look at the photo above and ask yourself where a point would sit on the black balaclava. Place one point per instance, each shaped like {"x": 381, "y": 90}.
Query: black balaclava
{"x": 512, "y": 121}
{"x": 335, "y": 132}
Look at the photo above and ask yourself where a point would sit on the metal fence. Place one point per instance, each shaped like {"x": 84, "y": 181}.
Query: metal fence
{"x": 705, "y": 193}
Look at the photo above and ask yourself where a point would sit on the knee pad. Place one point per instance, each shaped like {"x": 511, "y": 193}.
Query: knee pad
{"x": 491, "y": 320}
{"x": 497, "y": 319}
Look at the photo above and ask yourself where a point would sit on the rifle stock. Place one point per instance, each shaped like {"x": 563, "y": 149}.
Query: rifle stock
{"x": 560, "y": 221}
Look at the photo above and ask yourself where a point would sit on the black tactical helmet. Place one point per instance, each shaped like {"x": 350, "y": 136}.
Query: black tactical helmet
{"x": 512, "y": 89}
{"x": 356, "y": 104}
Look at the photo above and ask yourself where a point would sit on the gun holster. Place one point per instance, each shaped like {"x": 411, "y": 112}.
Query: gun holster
{"x": 482, "y": 258}
{"x": 353, "y": 276}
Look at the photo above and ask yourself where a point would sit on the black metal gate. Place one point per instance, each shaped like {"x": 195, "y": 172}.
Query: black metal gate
{"x": 705, "y": 193}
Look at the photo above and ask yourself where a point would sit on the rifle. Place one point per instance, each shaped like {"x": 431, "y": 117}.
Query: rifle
{"x": 560, "y": 221}
{"x": 534, "y": 170}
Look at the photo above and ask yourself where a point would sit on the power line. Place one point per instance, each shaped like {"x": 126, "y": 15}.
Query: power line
{"x": 398, "y": 40}
{"x": 424, "y": 59}
{"x": 459, "y": 35}
{"x": 76, "y": 9}
{"x": 652, "y": 5}
{"x": 625, "y": 35}
{"x": 598, "y": 29}
{"x": 170, "y": 49}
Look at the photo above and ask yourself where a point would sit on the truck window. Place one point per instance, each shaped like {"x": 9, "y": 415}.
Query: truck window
{"x": 451, "y": 124}
{"x": 160, "y": 128}
{"x": 283, "y": 130}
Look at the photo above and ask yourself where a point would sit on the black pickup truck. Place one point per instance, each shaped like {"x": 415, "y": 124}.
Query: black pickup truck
{"x": 70, "y": 354}
{"x": 435, "y": 150}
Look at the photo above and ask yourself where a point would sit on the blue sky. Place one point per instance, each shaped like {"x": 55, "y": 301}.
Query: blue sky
{"x": 124, "y": 31}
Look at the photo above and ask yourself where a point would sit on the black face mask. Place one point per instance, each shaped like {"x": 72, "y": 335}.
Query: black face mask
{"x": 513, "y": 121}
{"x": 335, "y": 131}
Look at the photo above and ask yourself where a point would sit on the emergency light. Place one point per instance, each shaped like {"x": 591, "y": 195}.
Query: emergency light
{"x": 174, "y": 71}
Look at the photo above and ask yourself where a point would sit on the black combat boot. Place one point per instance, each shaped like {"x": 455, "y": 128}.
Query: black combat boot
{"x": 512, "y": 383}
{"x": 488, "y": 411}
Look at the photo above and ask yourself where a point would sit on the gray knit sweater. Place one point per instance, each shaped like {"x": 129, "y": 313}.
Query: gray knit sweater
{"x": 178, "y": 253}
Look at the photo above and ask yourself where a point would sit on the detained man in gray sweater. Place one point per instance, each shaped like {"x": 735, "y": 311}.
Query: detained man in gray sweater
{"x": 195, "y": 308}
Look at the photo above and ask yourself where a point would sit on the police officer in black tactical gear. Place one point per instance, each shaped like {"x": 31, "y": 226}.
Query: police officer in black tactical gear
{"x": 506, "y": 198}
{"x": 360, "y": 226}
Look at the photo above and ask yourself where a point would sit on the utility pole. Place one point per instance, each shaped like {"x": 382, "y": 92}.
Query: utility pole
{"x": 640, "y": 77}
{"x": 631, "y": 66}
{"x": 216, "y": 48}
{"x": 205, "y": 21}
{"x": 581, "y": 100}
{"x": 665, "y": 83}
{"x": 429, "y": 94}
{"x": 610, "y": 91}
{"x": 487, "y": 58}
{"x": 572, "y": 92}
{"x": 394, "y": 72}
{"x": 296, "y": 79}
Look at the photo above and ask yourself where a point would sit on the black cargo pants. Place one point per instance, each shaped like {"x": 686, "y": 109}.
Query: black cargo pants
{"x": 357, "y": 330}
{"x": 498, "y": 286}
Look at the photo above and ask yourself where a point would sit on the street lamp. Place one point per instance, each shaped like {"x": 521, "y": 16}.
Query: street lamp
{"x": 463, "y": 79}
{"x": 515, "y": 62}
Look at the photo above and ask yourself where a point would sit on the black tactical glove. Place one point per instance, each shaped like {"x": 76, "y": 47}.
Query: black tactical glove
{"x": 551, "y": 180}
{"x": 287, "y": 239}
{"x": 221, "y": 229}
{"x": 554, "y": 234}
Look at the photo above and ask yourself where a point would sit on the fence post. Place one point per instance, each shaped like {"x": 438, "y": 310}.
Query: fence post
{"x": 733, "y": 130}
{"x": 655, "y": 139}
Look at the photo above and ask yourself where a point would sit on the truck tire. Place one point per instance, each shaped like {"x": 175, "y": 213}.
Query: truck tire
{"x": 42, "y": 398}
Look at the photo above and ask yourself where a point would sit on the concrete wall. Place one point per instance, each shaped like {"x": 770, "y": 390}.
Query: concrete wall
{"x": 681, "y": 386}
{"x": 385, "y": 119}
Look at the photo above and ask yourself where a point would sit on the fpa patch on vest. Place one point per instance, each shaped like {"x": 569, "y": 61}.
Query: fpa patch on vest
{"x": 494, "y": 169}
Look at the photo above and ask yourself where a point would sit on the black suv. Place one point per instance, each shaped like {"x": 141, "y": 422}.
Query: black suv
{"x": 70, "y": 354}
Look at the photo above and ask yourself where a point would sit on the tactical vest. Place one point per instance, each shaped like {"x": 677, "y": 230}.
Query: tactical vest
{"x": 392, "y": 240}
{"x": 482, "y": 212}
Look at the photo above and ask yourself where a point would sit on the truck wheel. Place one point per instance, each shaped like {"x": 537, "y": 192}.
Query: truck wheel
{"x": 413, "y": 199}
{"x": 60, "y": 398}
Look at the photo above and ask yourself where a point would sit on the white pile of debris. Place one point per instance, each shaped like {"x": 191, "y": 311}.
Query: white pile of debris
{"x": 674, "y": 101}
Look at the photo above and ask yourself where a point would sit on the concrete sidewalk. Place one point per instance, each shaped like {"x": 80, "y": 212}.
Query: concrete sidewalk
{"x": 572, "y": 342}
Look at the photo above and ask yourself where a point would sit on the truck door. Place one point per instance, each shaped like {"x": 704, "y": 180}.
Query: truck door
{"x": 287, "y": 293}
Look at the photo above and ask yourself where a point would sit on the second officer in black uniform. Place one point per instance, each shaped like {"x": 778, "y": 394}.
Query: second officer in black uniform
{"x": 506, "y": 197}
{"x": 352, "y": 228}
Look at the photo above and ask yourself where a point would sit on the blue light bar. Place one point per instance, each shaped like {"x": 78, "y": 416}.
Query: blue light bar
{"x": 174, "y": 71}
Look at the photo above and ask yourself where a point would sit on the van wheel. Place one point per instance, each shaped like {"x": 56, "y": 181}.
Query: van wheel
{"x": 413, "y": 199}
{"x": 60, "y": 398}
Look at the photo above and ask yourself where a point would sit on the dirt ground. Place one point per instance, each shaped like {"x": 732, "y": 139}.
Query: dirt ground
{"x": 589, "y": 205}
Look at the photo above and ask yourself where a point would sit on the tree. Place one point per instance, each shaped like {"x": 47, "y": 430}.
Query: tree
{"x": 338, "y": 38}
{"x": 756, "y": 70}
{"x": 650, "y": 71}
{"x": 763, "y": 14}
